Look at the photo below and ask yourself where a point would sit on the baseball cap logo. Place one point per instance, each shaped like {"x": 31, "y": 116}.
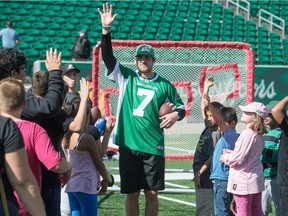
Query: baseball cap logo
{"x": 70, "y": 66}
{"x": 145, "y": 48}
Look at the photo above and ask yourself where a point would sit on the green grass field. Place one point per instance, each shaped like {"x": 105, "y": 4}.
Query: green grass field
{"x": 113, "y": 203}
{"x": 170, "y": 204}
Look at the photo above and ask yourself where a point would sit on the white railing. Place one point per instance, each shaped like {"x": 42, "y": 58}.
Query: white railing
{"x": 239, "y": 7}
{"x": 271, "y": 21}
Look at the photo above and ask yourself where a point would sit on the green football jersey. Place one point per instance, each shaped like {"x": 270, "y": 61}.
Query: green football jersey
{"x": 138, "y": 123}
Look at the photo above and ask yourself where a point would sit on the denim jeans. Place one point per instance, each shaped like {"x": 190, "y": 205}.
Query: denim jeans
{"x": 222, "y": 198}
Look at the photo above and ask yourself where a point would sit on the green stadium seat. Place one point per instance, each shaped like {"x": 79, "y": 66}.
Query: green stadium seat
{"x": 49, "y": 32}
{"x": 176, "y": 31}
{"x": 162, "y": 37}
{"x": 77, "y": 14}
{"x": 148, "y": 7}
{"x": 140, "y": 23}
{"x": 7, "y": 11}
{"x": 183, "y": 8}
{"x": 73, "y": 20}
{"x": 64, "y": 14}
{"x": 32, "y": 19}
{"x": 97, "y": 28}
{"x": 14, "y": 18}
{"x": 33, "y": 32}
{"x": 130, "y": 17}
{"x": 59, "y": 20}
{"x": 55, "y": 26}
{"x": 213, "y": 38}
{"x": 225, "y": 38}
{"x": 59, "y": 40}
{"x": 44, "y": 39}
{"x": 137, "y": 29}
{"x": 82, "y": 10}
{"x": 32, "y": 53}
{"x": 135, "y": 36}
{"x": 128, "y": 23}
{"x": 214, "y": 32}
{"x": 54, "y": 46}
{"x": 155, "y": 19}
{"x": 121, "y": 35}
{"x": 66, "y": 55}
{"x": 20, "y": 11}
{"x": 188, "y": 37}
{"x": 167, "y": 19}
{"x": 277, "y": 61}
{"x": 23, "y": 46}
{"x": 63, "y": 33}
{"x": 68, "y": 26}
{"x": 200, "y": 38}
{"x": 81, "y": 26}
{"x": 70, "y": 40}
{"x": 151, "y": 30}
{"x": 125, "y": 29}
{"x": 38, "y": 46}
{"x": 191, "y": 31}
{"x": 123, "y": 5}
{"x": 143, "y": 18}
{"x": 152, "y": 24}
{"x": 23, "y": 24}
{"x": 39, "y": 25}
{"x": 148, "y": 36}
{"x": 163, "y": 30}
{"x": 159, "y": 7}
{"x": 44, "y": 19}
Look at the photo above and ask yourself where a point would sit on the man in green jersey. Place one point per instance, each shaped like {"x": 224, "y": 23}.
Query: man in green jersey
{"x": 139, "y": 129}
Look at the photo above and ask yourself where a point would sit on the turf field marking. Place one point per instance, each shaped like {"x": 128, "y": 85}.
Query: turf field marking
{"x": 177, "y": 201}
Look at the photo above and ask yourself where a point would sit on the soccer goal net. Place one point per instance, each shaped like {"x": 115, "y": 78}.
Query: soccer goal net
{"x": 186, "y": 64}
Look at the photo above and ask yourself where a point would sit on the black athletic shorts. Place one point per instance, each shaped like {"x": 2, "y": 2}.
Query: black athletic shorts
{"x": 140, "y": 170}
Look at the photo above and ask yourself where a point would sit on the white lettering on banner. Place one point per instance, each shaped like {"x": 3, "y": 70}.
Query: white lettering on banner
{"x": 262, "y": 91}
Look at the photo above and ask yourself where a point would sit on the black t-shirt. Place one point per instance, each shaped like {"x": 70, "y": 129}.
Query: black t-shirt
{"x": 56, "y": 128}
{"x": 282, "y": 173}
{"x": 10, "y": 141}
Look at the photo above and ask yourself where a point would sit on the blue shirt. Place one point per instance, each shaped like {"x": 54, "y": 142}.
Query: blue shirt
{"x": 227, "y": 141}
{"x": 9, "y": 38}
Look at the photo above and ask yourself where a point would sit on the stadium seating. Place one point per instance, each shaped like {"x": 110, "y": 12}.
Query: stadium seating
{"x": 59, "y": 22}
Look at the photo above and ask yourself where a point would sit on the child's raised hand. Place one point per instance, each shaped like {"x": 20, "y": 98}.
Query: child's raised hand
{"x": 208, "y": 83}
{"x": 84, "y": 89}
{"x": 109, "y": 124}
{"x": 53, "y": 60}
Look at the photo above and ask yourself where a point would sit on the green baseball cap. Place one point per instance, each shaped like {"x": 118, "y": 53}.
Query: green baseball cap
{"x": 145, "y": 49}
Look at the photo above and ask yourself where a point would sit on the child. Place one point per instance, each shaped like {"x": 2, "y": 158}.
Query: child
{"x": 246, "y": 179}
{"x": 279, "y": 114}
{"x": 269, "y": 160}
{"x": 87, "y": 164}
{"x": 226, "y": 121}
{"x": 203, "y": 156}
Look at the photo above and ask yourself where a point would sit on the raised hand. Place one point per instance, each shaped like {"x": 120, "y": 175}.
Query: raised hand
{"x": 106, "y": 16}
{"x": 84, "y": 89}
{"x": 53, "y": 60}
{"x": 109, "y": 124}
{"x": 208, "y": 83}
